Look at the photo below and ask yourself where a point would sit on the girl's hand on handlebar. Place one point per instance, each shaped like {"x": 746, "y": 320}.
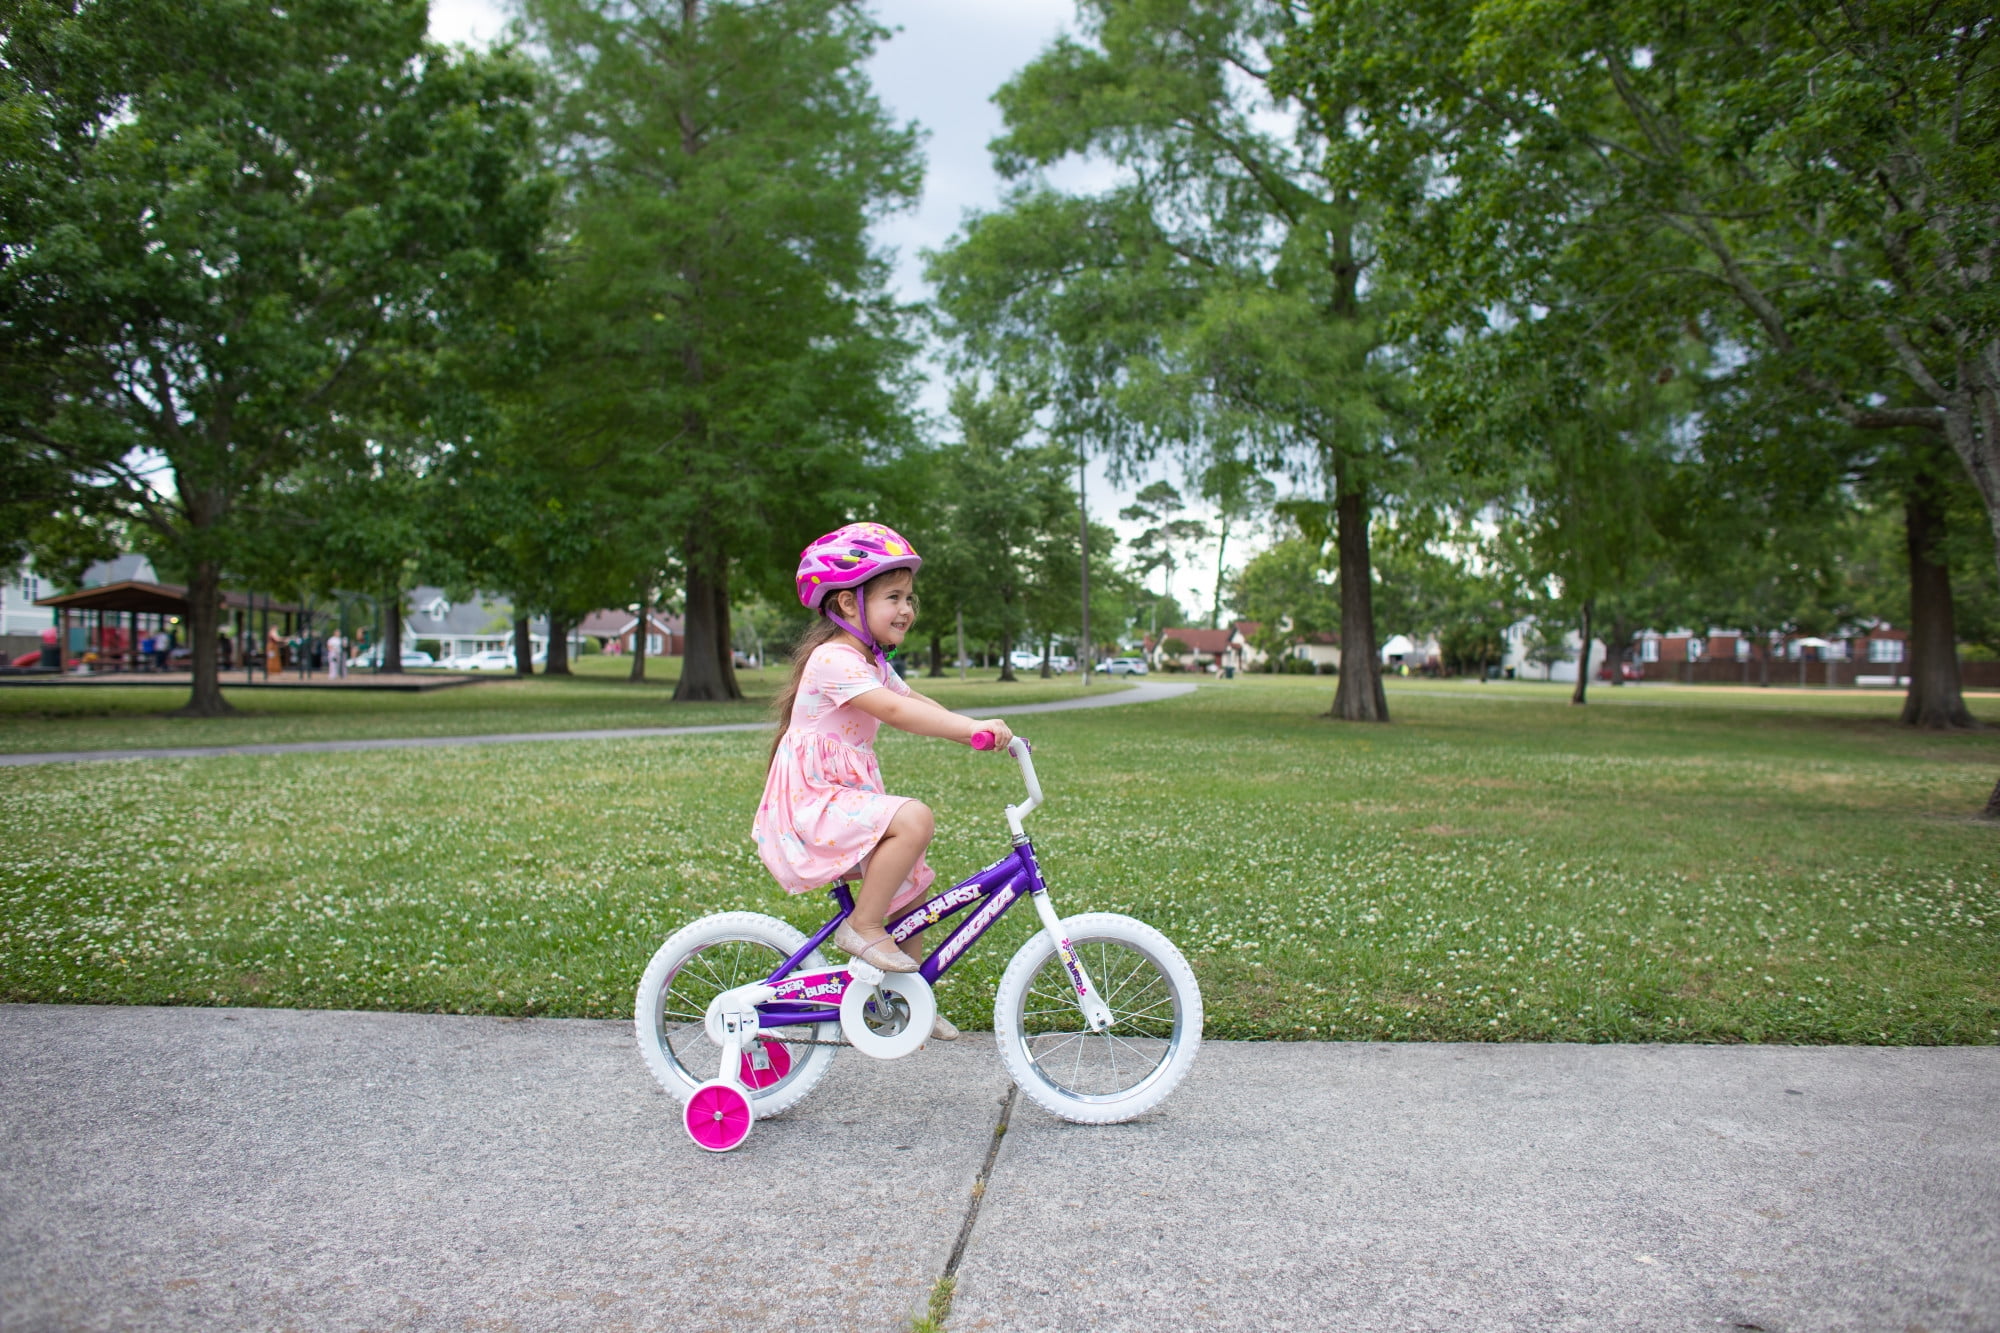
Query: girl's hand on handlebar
{"x": 1002, "y": 735}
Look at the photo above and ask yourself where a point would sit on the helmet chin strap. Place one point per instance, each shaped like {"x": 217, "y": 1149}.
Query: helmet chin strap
{"x": 859, "y": 631}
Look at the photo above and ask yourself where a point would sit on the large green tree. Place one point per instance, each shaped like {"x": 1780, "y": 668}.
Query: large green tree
{"x": 1010, "y": 513}
{"x": 230, "y": 230}
{"x": 1809, "y": 187}
{"x": 721, "y": 315}
{"x": 1215, "y": 299}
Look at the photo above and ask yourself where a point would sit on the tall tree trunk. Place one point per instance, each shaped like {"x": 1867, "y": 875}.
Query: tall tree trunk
{"x": 557, "y": 662}
{"x": 1006, "y": 648}
{"x": 1358, "y": 697}
{"x": 708, "y": 675}
{"x": 1764, "y": 661}
{"x": 1083, "y": 548}
{"x": 639, "y": 635}
{"x": 392, "y": 633}
{"x": 1581, "y": 694}
{"x": 205, "y": 633}
{"x": 524, "y": 648}
{"x": 1221, "y": 549}
{"x": 937, "y": 655}
{"x": 1936, "y": 699}
{"x": 1047, "y": 670}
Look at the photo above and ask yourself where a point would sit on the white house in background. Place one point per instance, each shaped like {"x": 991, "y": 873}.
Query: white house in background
{"x": 1319, "y": 649}
{"x": 1400, "y": 650}
{"x": 20, "y": 618}
{"x": 480, "y": 624}
{"x": 1514, "y": 663}
{"x": 1244, "y": 654}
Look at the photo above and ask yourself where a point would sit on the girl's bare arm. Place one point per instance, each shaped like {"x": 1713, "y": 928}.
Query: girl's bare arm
{"x": 922, "y": 717}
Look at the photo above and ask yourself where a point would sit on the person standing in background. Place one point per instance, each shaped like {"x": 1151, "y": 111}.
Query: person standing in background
{"x": 336, "y": 657}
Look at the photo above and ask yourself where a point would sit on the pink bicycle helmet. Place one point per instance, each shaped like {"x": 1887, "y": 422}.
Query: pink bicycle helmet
{"x": 848, "y": 557}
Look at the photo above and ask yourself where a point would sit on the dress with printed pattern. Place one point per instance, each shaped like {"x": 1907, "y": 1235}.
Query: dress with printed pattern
{"x": 824, "y": 808}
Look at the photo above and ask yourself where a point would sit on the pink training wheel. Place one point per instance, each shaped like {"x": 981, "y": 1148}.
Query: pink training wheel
{"x": 776, "y": 1062}
{"x": 982, "y": 740}
{"x": 718, "y": 1116}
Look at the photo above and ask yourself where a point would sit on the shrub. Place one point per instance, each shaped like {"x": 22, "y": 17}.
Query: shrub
{"x": 434, "y": 647}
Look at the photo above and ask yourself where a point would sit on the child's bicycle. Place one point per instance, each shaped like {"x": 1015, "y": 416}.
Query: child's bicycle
{"x": 1098, "y": 1016}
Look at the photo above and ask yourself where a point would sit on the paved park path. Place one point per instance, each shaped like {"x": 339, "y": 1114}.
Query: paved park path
{"x": 1113, "y": 698}
{"x": 202, "y": 1169}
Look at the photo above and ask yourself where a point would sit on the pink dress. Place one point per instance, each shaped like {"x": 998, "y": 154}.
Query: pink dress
{"x": 824, "y": 808}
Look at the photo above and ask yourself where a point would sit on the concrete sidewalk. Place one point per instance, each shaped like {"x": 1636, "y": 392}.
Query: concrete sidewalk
{"x": 1112, "y": 698}
{"x": 252, "y": 1169}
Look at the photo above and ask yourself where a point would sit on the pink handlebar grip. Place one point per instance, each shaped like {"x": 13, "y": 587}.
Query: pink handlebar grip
{"x": 982, "y": 740}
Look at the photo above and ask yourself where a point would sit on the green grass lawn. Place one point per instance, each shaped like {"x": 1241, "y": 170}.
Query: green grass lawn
{"x": 1667, "y": 864}
{"x": 87, "y": 717}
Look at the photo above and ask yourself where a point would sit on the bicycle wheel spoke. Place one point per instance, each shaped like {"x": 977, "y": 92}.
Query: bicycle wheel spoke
{"x": 1124, "y": 1015}
{"x": 1048, "y": 1051}
{"x": 696, "y": 1011}
{"x": 707, "y": 966}
{"x": 1117, "y": 989}
{"x": 1136, "y": 1052}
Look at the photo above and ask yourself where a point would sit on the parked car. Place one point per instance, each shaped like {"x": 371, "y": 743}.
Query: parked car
{"x": 493, "y": 659}
{"x": 1024, "y": 660}
{"x": 370, "y": 659}
{"x": 1629, "y": 670}
{"x": 1124, "y": 666}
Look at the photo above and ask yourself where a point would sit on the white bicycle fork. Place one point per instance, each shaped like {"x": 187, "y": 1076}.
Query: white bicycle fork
{"x": 1095, "y": 1012}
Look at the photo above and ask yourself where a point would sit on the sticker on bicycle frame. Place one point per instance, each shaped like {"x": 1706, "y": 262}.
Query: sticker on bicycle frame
{"x": 940, "y": 906}
{"x": 975, "y": 923}
{"x": 1075, "y": 968}
{"x": 813, "y": 988}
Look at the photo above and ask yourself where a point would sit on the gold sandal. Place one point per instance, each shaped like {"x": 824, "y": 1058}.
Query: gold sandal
{"x": 881, "y": 953}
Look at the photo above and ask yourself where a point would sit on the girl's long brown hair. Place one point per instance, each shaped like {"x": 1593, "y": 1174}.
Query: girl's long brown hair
{"x": 820, "y": 631}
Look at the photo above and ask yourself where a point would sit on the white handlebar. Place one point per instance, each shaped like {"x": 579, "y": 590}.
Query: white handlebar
{"x": 1024, "y": 754}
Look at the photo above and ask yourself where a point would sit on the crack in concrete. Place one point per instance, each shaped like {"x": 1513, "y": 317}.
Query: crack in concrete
{"x": 939, "y": 1310}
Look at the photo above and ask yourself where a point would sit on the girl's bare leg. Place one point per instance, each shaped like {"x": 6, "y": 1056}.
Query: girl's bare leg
{"x": 894, "y": 857}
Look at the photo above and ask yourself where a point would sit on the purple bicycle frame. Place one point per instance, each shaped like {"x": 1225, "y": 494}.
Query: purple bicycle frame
{"x": 996, "y": 888}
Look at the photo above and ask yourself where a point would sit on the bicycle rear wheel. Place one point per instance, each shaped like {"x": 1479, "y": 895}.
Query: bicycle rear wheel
{"x": 699, "y": 962}
{"x": 1099, "y": 1078}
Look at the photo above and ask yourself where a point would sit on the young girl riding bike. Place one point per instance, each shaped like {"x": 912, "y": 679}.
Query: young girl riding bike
{"x": 824, "y": 815}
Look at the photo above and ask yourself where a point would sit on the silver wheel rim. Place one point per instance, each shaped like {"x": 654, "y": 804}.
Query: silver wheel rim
{"x": 680, "y": 1012}
{"x": 1101, "y": 1068}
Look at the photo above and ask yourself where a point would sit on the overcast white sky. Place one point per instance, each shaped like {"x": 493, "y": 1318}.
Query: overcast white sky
{"x": 941, "y": 69}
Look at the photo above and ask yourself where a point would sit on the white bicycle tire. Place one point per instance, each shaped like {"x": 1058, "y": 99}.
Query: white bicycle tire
{"x": 649, "y": 1005}
{"x": 1010, "y": 1003}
